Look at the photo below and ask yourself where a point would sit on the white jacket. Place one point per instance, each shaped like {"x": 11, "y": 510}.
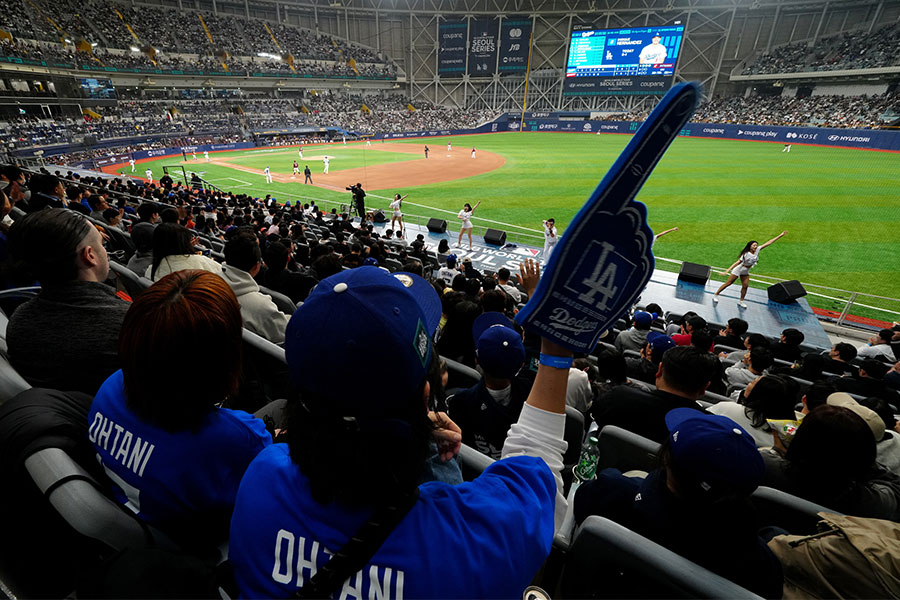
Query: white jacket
{"x": 258, "y": 311}
{"x": 183, "y": 262}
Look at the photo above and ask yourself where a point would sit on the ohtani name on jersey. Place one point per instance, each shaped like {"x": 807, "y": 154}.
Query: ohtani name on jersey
{"x": 297, "y": 559}
{"x": 120, "y": 444}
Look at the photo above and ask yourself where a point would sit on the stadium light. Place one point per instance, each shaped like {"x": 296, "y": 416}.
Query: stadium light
{"x": 67, "y": 40}
{"x": 135, "y": 49}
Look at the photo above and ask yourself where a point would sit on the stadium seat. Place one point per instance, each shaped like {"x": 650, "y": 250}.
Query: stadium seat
{"x": 11, "y": 383}
{"x": 714, "y": 398}
{"x": 76, "y": 496}
{"x": 626, "y": 451}
{"x": 132, "y": 283}
{"x": 284, "y": 304}
{"x": 780, "y": 509}
{"x": 460, "y": 376}
{"x": 393, "y": 264}
{"x": 608, "y": 560}
{"x": 472, "y": 462}
{"x": 265, "y": 374}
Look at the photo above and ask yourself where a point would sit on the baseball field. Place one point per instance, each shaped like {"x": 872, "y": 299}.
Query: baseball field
{"x": 841, "y": 207}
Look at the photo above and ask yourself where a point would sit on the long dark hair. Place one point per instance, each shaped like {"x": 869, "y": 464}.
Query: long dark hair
{"x": 770, "y": 398}
{"x": 468, "y": 206}
{"x": 747, "y": 248}
{"x": 169, "y": 239}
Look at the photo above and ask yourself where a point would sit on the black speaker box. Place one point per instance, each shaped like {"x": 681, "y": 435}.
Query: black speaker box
{"x": 379, "y": 217}
{"x": 437, "y": 226}
{"x": 694, "y": 273}
{"x": 495, "y": 237}
{"x": 786, "y": 292}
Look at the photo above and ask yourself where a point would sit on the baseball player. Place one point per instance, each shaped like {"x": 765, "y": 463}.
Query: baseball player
{"x": 344, "y": 139}
{"x": 206, "y": 155}
{"x": 449, "y": 146}
{"x": 131, "y": 162}
{"x": 787, "y": 148}
{"x": 550, "y": 238}
{"x": 473, "y": 152}
{"x": 426, "y": 150}
{"x": 296, "y": 168}
{"x": 268, "y": 174}
{"x": 300, "y": 152}
{"x": 368, "y": 143}
{"x": 326, "y": 160}
{"x": 149, "y": 174}
{"x": 653, "y": 53}
{"x": 194, "y": 153}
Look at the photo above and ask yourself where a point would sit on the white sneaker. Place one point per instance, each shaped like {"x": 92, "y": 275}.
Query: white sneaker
{"x": 742, "y": 304}
{"x": 715, "y": 299}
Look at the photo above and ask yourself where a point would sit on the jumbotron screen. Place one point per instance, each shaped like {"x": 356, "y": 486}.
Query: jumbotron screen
{"x": 637, "y": 60}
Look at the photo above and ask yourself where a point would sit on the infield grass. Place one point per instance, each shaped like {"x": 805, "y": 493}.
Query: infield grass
{"x": 841, "y": 207}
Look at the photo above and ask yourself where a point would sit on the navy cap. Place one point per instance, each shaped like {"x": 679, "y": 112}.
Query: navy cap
{"x": 659, "y": 342}
{"x": 715, "y": 452}
{"x": 498, "y": 345}
{"x": 356, "y": 327}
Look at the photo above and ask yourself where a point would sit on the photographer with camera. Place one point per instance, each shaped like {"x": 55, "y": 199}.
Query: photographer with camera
{"x": 359, "y": 199}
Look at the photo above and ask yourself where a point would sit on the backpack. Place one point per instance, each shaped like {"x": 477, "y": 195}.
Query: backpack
{"x": 850, "y": 557}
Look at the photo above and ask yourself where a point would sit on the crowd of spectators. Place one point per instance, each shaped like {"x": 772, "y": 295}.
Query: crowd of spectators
{"x": 847, "y": 51}
{"x": 861, "y": 112}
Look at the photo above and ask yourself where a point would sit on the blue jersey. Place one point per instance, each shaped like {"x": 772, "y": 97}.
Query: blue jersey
{"x": 187, "y": 479}
{"x": 486, "y": 538}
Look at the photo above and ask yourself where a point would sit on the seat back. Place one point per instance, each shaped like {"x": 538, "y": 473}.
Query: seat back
{"x": 623, "y": 450}
{"x": 131, "y": 282}
{"x": 472, "y": 462}
{"x": 780, "y": 509}
{"x": 608, "y": 560}
{"x": 574, "y": 435}
{"x": 460, "y": 376}
{"x": 76, "y": 496}
{"x": 283, "y": 302}
{"x": 11, "y": 383}
{"x": 265, "y": 374}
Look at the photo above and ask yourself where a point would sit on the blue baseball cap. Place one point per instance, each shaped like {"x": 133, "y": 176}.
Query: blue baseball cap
{"x": 371, "y": 261}
{"x": 372, "y": 323}
{"x": 659, "y": 342}
{"x": 643, "y": 318}
{"x": 714, "y": 454}
{"x": 451, "y": 258}
{"x": 498, "y": 345}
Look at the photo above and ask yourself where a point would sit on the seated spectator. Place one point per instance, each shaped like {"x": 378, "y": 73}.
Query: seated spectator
{"x": 47, "y": 191}
{"x": 815, "y": 396}
{"x": 449, "y": 272}
{"x": 696, "y": 503}
{"x": 755, "y": 362}
{"x": 831, "y": 461}
{"x": 279, "y": 278}
{"x": 113, "y": 218}
{"x": 754, "y": 340}
{"x": 645, "y": 368}
{"x": 635, "y": 338}
{"x": 869, "y": 381}
{"x": 142, "y": 259}
{"x": 503, "y": 281}
{"x": 612, "y": 371}
{"x": 486, "y": 410}
{"x": 682, "y": 378}
{"x": 839, "y": 357}
{"x": 691, "y": 324}
{"x": 579, "y": 391}
{"x": 67, "y": 337}
{"x": 98, "y": 204}
{"x": 179, "y": 459}
{"x": 733, "y": 334}
{"x": 809, "y": 367}
{"x": 879, "y": 347}
{"x": 258, "y": 311}
{"x": 75, "y": 201}
{"x": 888, "y": 445}
{"x": 300, "y": 492}
{"x": 788, "y": 346}
{"x": 173, "y": 250}
{"x": 768, "y": 397}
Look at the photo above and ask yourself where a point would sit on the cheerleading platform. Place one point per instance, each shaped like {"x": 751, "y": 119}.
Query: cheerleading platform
{"x": 763, "y": 316}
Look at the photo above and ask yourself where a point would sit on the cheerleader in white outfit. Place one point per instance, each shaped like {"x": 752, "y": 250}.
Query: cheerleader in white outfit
{"x": 466, "y": 227}
{"x": 741, "y": 268}
{"x": 397, "y": 215}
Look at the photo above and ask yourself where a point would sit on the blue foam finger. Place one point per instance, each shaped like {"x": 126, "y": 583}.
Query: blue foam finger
{"x": 603, "y": 260}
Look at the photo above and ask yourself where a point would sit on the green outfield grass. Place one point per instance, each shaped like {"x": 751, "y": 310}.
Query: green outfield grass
{"x": 841, "y": 207}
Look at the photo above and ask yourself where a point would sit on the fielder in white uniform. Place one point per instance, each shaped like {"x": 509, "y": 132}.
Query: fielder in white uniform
{"x": 550, "y": 238}
{"x": 326, "y": 160}
{"x": 654, "y": 53}
{"x": 149, "y": 174}
{"x": 473, "y": 152}
{"x": 131, "y": 162}
{"x": 206, "y": 155}
{"x": 300, "y": 152}
{"x": 368, "y": 143}
{"x": 449, "y": 147}
{"x": 787, "y": 148}
{"x": 268, "y": 175}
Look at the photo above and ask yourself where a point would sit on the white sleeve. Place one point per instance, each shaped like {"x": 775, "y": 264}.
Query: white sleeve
{"x": 867, "y": 351}
{"x": 540, "y": 433}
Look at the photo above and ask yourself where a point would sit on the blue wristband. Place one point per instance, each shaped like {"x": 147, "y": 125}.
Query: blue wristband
{"x": 557, "y": 362}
